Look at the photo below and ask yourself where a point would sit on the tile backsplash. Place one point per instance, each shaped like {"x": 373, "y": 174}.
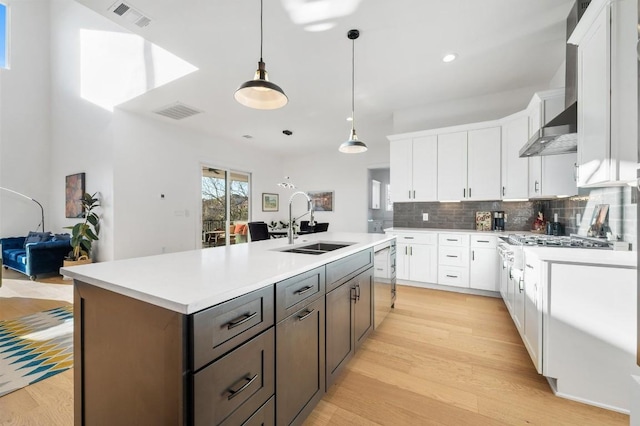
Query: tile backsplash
{"x": 520, "y": 215}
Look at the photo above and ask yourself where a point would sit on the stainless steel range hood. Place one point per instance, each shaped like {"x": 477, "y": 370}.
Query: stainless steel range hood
{"x": 560, "y": 135}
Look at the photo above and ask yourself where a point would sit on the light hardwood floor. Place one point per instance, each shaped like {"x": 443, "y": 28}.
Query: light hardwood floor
{"x": 439, "y": 359}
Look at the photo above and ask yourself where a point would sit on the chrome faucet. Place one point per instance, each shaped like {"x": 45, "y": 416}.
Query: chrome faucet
{"x": 310, "y": 212}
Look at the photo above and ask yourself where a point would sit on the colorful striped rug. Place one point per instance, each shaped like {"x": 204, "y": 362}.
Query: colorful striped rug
{"x": 35, "y": 347}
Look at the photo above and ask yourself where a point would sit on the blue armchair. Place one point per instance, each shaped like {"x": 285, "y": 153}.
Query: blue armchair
{"x": 34, "y": 258}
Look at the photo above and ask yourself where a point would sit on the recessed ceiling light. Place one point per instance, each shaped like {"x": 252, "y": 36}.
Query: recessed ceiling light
{"x": 247, "y": 136}
{"x": 449, "y": 57}
{"x": 287, "y": 132}
{"x": 349, "y": 118}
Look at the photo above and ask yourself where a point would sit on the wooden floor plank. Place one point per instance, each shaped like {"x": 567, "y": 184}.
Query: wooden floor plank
{"x": 443, "y": 358}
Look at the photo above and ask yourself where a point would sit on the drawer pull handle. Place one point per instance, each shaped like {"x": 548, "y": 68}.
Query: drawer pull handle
{"x": 451, "y": 239}
{"x": 305, "y": 315}
{"x": 408, "y": 238}
{"x": 303, "y": 290}
{"x": 240, "y": 321}
{"x": 483, "y": 241}
{"x": 234, "y": 393}
{"x": 529, "y": 266}
{"x": 450, "y": 255}
{"x": 452, "y": 276}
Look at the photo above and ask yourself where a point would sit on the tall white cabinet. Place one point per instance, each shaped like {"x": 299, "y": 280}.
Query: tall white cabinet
{"x": 607, "y": 91}
{"x": 515, "y": 170}
{"x": 414, "y": 168}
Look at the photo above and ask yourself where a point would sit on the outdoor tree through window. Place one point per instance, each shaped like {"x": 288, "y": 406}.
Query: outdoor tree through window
{"x": 225, "y": 202}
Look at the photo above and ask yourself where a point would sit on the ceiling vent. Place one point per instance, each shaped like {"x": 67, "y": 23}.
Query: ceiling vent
{"x": 177, "y": 111}
{"x": 130, "y": 13}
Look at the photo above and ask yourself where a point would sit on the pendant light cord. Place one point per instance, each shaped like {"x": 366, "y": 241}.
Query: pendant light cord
{"x": 353, "y": 78}
{"x": 261, "y": 30}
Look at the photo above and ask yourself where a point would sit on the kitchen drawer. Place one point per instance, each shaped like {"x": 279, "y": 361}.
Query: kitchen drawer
{"x": 453, "y": 276}
{"x": 295, "y": 292}
{"x": 488, "y": 241}
{"x": 265, "y": 416}
{"x": 459, "y": 240}
{"x": 344, "y": 269}
{"x": 417, "y": 238}
{"x": 453, "y": 256}
{"x": 244, "y": 380}
{"x": 219, "y": 329}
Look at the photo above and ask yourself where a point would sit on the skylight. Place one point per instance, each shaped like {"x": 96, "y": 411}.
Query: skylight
{"x": 4, "y": 62}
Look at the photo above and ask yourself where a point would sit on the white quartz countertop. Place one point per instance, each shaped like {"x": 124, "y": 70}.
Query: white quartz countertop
{"x": 613, "y": 258}
{"x": 190, "y": 281}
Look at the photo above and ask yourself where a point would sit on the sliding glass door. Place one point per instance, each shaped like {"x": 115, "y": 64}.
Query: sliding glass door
{"x": 225, "y": 206}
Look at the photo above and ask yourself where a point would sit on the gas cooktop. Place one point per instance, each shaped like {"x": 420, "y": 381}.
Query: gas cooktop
{"x": 556, "y": 241}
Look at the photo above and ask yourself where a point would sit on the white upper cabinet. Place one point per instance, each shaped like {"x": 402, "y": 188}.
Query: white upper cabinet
{"x": 607, "y": 89}
{"x": 483, "y": 164}
{"x": 515, "y": 170}
{"x": 469, "y": 165}
{"x": 452, "y": 166}
{"x": 549, "y": 175}
{"x": 414, "y": 170}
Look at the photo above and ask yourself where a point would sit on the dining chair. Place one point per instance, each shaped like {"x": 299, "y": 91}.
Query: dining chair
{"x": 258, "y": 231}
{"x": 321, "y": 227}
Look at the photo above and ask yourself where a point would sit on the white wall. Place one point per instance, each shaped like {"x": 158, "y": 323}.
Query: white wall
{"x": 154, "y": 157}
{"x": 24, "y": 121}
{"x": 130, "y": 160}
{"x": 81, "y": 132}
{"x": 346, "y": 175}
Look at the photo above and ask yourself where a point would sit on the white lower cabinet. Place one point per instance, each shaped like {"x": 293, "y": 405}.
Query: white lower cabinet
{"x": 453, "y": 260}
{"x": 417, "y": 257}
{"x": 484, "y": 263}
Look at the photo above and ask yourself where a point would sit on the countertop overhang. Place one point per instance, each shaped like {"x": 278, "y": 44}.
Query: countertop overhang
{"x": 189, "y": 281}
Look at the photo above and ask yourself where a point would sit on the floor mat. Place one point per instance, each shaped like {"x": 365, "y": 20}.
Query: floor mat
{"x": 35, "y": 347}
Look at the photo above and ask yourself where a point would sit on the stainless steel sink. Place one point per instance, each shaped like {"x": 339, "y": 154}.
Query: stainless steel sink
{"x": 317, "y": 248}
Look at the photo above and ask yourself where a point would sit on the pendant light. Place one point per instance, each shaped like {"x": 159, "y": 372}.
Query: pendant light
{"x": 260, "y": 93}
{"x": 353, "y": 145}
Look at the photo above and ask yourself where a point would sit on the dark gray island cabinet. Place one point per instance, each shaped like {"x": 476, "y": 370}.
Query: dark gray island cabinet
{"x": 257, "y": 359}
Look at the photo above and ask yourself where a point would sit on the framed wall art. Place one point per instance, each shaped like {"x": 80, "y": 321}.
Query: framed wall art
{"x": 74, "y": 190}
{"x": 322, "y": 200}
{"x": 270, "y": 202}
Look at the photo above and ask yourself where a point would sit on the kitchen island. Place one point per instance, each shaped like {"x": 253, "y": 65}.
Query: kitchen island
{"x": 221, "y": 335}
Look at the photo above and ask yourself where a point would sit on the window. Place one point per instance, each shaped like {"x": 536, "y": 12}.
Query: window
{"x": 225, "y": 206}
{"x": 4, "y": 61}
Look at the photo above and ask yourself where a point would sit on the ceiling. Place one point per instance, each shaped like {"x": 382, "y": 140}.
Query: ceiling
{"x": 503, "y": 45}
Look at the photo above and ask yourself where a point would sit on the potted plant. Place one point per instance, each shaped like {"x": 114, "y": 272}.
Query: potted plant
{"x": 83, "y": 234}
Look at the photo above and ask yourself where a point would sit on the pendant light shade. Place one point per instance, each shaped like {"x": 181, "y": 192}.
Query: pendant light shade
{"x": 353, "y": 145}
{"x": 260, "y": 93}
